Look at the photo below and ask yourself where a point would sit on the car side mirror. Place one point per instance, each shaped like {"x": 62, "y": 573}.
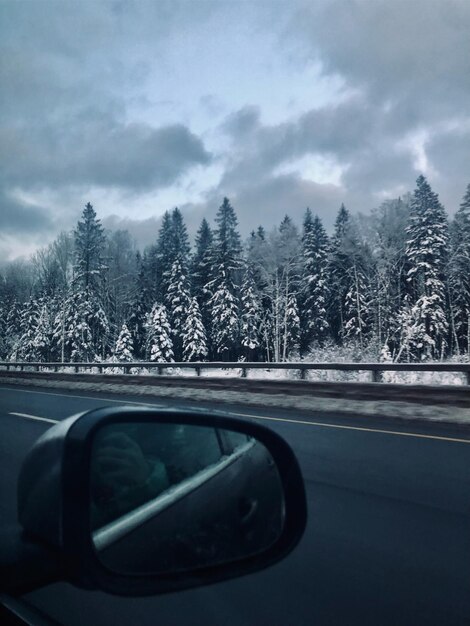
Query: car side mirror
{"x": 144, "y": 501}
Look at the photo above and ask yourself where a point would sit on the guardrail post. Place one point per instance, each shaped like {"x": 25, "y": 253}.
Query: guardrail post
{"x": 468, "y": 378}
{"x": 159, "y": 370}
{"x": 303, "y": 371}
{"x": 243, "y": 372}
{"x": 198, "y": 370}
{"x": 376, "y": 376}
{"x": 127, "y": 369}
{"x": 76, "y": 369}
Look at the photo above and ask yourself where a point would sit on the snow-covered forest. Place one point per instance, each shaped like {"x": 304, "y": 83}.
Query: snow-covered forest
{"x": 390, "y": 286}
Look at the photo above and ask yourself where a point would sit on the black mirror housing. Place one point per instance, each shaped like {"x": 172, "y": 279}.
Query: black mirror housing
{"x": 54, "y": 500}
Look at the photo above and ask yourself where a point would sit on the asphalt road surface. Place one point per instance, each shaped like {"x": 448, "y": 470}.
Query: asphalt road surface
{"x": 387, "y": 541}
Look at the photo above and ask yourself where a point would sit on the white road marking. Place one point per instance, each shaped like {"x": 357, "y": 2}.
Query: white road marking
{"x": 34, "y": 417}
{"x": 258, "y": 417}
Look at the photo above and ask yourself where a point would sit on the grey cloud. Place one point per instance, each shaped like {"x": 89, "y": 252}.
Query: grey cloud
{"x": 411, "y": 51}
{"x": 65, "y": 72}
{"x": 353, "y": 133}
{"x": 144, "y": 232}
{"x": 241, "y": 122}
{"x": 17, "y": 217}
{"x": 99, "y": 152}
{"x": 379, "y": 167}
{"x": 454, "y": 173}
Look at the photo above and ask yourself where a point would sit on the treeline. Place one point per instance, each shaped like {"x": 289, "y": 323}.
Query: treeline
{"x": 394, "y": 284}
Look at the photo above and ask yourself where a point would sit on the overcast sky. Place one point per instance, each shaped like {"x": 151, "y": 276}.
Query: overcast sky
{"x": 141, "y": 106}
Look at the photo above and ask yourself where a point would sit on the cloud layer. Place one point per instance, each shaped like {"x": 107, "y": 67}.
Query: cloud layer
{"x": 312, "y": 105}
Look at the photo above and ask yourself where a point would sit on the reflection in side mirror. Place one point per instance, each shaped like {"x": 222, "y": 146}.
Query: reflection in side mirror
{"x": 170, "y": 497}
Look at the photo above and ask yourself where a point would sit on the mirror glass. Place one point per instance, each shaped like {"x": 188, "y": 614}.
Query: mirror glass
{"x": 169, "y": 497}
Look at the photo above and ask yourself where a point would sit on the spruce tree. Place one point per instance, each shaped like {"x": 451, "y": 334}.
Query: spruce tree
{"x": 225, "y": 283}
{"x": 159, "y": 346}
{"x": 225, "y": 322}
{"x": 227, "y": 245}
{"x": 389, "y": 285}
{"x": 202, "y": 270}
{"x": 291, "y": 328}
{"x": 123, "y": 350}
{"x": 161, "y": 258}
{"x": 426, "y": 252}
{"x": 339, "y": 271}
{"x": 180, "y": 240}
{"x": 89, "y": 252}
{"x": 178, "y": 300}
{"x": 194, "y": 334}
{"x": 140, "y": 307}
{"x": 12, "y": 329}
{"x": 44, "y": 329}
{"x": 172, "y": 245}
{"x": 349, "y": 303}
{"x": 72, "y": 333}
{"x": 459, "y": 276}
{"x": 90, "y": 280}
{"x": 356, "y": 305}
{"x": 250, "y": 317}
{"x": 26, "y": 348}
{"x": 314, "y": 292}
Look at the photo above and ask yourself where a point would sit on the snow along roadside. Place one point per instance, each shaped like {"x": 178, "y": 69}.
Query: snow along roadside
{"x": 328, "y": 406}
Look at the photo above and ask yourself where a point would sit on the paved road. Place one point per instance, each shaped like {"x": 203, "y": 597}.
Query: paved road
{"x": 387, "y": 542}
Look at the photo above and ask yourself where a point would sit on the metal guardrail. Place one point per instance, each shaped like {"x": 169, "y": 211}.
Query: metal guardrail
{"x": 376, "y": 369}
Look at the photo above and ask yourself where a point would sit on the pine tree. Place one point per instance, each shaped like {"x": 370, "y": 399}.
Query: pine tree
{"x": 459, "y": 276}
{"x": 194, "y": 334}
{"x": 158, "y": 343}
{"x": 250, "y": 318}
{"x": 426, "y": 253}
{"x": 123, "y": 350}
{"x": 314, "y": 293}
{"x": 178, "y": 300}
